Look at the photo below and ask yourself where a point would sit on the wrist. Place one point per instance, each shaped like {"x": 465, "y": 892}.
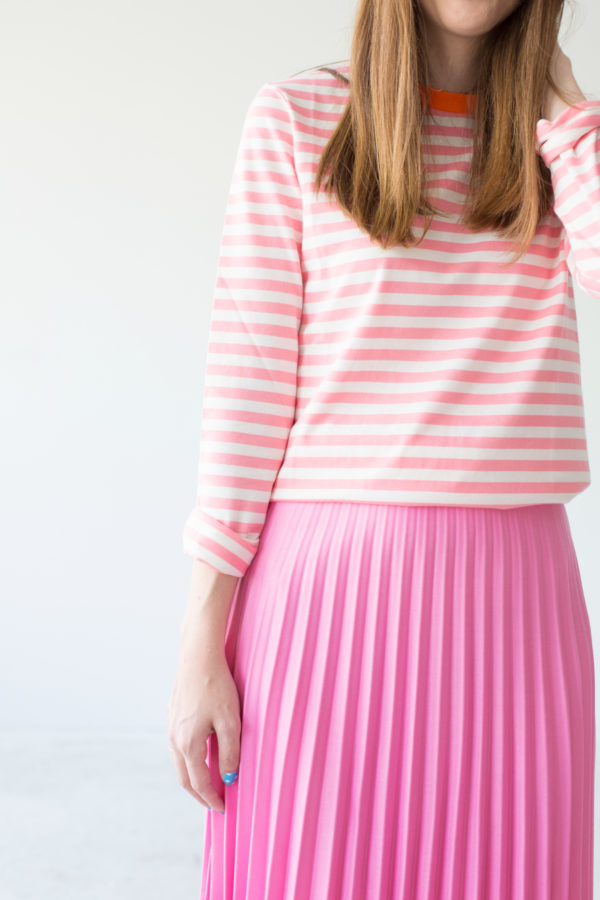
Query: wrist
{"x": 202, "y": 641}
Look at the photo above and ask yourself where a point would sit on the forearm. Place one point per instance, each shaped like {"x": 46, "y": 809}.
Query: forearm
{"x": 568, "y": 140}
{"x": 205, "y": 620}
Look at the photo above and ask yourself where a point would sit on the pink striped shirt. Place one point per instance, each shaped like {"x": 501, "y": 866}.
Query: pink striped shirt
{"x": 337, "y": 370}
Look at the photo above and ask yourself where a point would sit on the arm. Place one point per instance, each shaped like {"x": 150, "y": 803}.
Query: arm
{"x": 205, "y": 620}
{"x": 205, "y": 697}
{"x": 250, "y": 375}
{"x": 568, "y": 140}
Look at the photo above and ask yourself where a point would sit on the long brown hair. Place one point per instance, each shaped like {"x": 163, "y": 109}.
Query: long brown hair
{"x": 373, "y": 159}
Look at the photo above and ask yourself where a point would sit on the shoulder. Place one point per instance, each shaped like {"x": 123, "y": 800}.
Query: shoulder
{"x": 316, "y": 89}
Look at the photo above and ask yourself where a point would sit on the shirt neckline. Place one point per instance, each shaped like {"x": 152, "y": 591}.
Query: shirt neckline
{"x": 449, "y": 101}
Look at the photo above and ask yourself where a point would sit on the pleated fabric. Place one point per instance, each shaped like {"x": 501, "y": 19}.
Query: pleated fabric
{"x": 417, "y": 695}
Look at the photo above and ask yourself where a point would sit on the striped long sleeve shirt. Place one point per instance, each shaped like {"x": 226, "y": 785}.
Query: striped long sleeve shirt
{"x": 337, "y": 370}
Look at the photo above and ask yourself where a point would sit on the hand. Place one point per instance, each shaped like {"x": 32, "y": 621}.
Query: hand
{"x": 561, "y": 71}
{"x": 204, "y": 699}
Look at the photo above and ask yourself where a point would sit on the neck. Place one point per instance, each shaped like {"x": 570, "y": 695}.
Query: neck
{"x": 452, "y": 61}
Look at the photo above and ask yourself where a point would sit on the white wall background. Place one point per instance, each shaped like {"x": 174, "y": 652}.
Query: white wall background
{"x": 119, "y": 122}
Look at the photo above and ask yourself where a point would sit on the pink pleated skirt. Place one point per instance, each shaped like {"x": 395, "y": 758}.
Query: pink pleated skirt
{"x": 417, "y": 698}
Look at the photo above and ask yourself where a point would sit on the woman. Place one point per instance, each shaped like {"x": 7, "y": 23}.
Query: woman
{"x": 387, "y": 646}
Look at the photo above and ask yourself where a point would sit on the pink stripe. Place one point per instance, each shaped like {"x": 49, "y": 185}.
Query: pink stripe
{"x": 446, "y": 440}
{"x": 462, "y": 311}
{"x": 411, "y": 485}
{"x": 468, "y": 353}
{"x": 471, "y": 377}
{"x": 439, "y": 395}
{"x": 446, "y": 462}
{"x": 422, "y": 417}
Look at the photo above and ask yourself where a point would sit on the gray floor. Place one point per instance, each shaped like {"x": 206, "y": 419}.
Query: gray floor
{"x": 99, "y": 817}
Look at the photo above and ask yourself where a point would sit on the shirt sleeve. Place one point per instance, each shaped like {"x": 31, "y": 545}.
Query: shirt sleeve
{"x": 251, "y": 365}
{"x": 570, "y": 146}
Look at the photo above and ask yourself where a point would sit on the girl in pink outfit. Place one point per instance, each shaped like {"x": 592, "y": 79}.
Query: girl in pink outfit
{"x": 386, "y": 681}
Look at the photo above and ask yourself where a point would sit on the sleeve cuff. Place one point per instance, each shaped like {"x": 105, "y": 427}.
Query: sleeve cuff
{"x": 209, "y": 540}
{"x": 555, "y": 136}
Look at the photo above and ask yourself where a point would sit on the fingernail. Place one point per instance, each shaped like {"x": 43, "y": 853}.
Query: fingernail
{"x": 229, "y": 777}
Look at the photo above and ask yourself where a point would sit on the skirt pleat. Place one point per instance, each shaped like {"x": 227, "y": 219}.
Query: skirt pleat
{"x": 417, "y": 697}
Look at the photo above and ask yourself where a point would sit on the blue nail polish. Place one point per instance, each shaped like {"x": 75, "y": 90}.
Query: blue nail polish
{"x": 229, "y": 777}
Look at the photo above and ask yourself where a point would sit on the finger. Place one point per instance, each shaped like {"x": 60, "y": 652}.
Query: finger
{"x": 183, "y": 777}
{"x": 201, "y": 782}
{"x": 228, "y": 739}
